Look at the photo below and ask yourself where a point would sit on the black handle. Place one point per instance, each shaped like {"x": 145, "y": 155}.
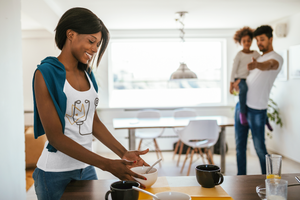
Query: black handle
{"x": 221, "y": 178}
{"x": 107, "y": 193}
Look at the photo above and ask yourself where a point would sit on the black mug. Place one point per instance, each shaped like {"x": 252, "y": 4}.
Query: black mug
{"x": 122, "y": 190}
{"x": 209, "y": 175}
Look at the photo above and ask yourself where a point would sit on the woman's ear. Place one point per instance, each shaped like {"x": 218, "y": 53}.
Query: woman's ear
{"x": 70, "y": 34}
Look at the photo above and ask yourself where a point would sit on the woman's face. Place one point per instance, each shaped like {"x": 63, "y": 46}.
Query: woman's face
{"x": 246, "y": 42}
{"x": 85, "y": 46}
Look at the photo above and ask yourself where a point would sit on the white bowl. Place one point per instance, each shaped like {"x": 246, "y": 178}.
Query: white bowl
{"x": 173, "y": 196}
{"x": 151, "y": 176}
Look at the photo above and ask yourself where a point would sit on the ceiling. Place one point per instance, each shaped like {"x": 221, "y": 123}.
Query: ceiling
{"x": 160, "y": 14}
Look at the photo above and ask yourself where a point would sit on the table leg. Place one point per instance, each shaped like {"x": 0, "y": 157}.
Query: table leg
{"x": 222, "y": 148}
{"x": 131, "y": 139}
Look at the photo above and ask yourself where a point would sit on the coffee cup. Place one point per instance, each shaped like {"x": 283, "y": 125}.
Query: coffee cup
{"x": 122, "y": 190}
{"x": 209, "y": 176}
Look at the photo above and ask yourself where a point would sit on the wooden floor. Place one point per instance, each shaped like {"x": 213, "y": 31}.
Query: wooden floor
{"x": 29, "y": 179}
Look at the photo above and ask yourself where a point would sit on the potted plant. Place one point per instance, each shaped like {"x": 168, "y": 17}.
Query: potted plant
{"x": 273, "y": 115}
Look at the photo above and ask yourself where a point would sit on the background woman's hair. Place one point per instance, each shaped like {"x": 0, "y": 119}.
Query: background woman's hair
{"x": 265, "y": 29}
{"x": 82, "y": 21}
{"x": 241, "y": 33}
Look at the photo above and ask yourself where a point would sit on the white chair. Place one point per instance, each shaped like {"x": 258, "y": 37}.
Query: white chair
{"x": 151, "y": 133}
{"x": 177, "y": 114}
{"x": 199, "y": 134}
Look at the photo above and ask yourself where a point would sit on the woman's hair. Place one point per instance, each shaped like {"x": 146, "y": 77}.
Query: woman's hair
{"x": 241, "y": 33}
{"x": 82, "y": 21}
{"x": 265, "y": 29}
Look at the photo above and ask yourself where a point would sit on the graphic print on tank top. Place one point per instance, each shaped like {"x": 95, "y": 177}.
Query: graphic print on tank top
{"x": 80, "y": 112}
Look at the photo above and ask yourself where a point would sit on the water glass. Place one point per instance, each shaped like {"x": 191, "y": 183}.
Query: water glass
{"x": 261, "y": 191}
{"x": 276, "y": 189}
{"x": 273, "y": 166}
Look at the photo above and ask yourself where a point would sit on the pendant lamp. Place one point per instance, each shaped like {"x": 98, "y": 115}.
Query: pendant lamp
{"x": 183, "y": 72}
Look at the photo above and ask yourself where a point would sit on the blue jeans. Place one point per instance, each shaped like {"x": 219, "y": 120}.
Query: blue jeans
{"x": 256, "y": 122}
{"x": 51, "y": 185}
{"x": 243, "y": 95}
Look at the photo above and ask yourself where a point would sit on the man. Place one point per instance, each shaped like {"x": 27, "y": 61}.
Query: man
{"x": 263, "y": 72}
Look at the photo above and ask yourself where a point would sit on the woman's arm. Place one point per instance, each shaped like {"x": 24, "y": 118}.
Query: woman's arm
{"x": 103, "y": 135}
{"x": 58, "y": 140}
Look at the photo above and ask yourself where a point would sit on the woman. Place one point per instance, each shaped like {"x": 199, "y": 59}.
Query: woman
{"x": 65, "y": 101}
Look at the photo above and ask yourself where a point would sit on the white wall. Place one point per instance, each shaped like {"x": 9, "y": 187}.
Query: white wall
{"x": 12, "y": 156}
{"x": 34, "y": 51}
{"x": 36, "y": 45}
{"x": 286, "y": 94}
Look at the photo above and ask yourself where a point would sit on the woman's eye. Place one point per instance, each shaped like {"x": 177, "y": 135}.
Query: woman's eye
{"x": 91, "y": 41}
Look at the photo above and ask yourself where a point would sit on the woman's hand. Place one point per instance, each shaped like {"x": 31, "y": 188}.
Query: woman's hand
{"x": 121, "y": 169}
{"x": 135, "y": 156}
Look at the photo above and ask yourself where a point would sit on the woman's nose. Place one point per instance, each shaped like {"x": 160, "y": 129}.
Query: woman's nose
{"x": 94, "y": 48}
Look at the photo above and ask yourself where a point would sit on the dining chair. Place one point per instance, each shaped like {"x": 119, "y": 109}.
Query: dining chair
{"x": 199, "y": 134}
{"x": 177, "y": 114}
{"x": 150, "y": 133}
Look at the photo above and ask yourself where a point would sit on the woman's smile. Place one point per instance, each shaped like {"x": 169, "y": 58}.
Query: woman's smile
{"x": 89, "y": 55}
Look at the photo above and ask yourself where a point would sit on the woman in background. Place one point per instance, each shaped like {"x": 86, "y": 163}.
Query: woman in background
{"x": 65, "y": 101}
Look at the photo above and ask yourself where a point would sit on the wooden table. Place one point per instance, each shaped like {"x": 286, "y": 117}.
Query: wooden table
{"x": 243, "y": 187}
{"x": 238, "y": 187}
{"x": 170, "y": 122}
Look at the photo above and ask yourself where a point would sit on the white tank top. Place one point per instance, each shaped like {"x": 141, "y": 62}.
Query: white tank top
{"x": 81, "y": 106}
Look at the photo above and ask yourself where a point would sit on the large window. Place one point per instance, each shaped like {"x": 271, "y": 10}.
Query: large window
{"x": 140, "y": 72}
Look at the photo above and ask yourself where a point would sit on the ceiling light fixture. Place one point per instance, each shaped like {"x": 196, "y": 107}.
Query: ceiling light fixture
{"x": 183, "y": 72}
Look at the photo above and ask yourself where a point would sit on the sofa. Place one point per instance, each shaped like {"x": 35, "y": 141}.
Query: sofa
{"x": 33, "y": 147}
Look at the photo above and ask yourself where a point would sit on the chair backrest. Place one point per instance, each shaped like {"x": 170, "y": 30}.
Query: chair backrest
{"x": 184, "y": 112}
{"x": 148, "y": 114}
{"x": 181, "y": 113}
{"x": 153, "y": 114}
{"x": 200, "y": 130}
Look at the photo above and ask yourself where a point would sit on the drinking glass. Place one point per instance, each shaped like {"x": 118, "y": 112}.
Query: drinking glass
{"x": 261, "y": 191}
{"x": 273, "y": 166}
{"x": 276, "y": 189}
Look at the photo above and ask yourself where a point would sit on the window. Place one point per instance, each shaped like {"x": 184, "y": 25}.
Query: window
{"x": 140, "y": 72}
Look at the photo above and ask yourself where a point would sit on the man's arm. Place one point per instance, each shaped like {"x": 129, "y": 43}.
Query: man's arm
{"x": 264, "y": 66}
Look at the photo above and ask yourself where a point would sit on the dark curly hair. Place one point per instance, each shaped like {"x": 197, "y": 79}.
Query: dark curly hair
{"x": 241, "y": 33}
{"x": 265, "y": 29}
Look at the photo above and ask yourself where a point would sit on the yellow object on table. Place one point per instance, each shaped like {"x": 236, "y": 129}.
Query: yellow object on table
{"x": 188, "y": 185}
{"x": 273, "y": 176}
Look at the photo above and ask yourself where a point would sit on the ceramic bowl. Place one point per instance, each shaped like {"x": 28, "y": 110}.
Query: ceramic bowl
{"x": 172, "y": 196}
{"x": 151, "y": 176}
